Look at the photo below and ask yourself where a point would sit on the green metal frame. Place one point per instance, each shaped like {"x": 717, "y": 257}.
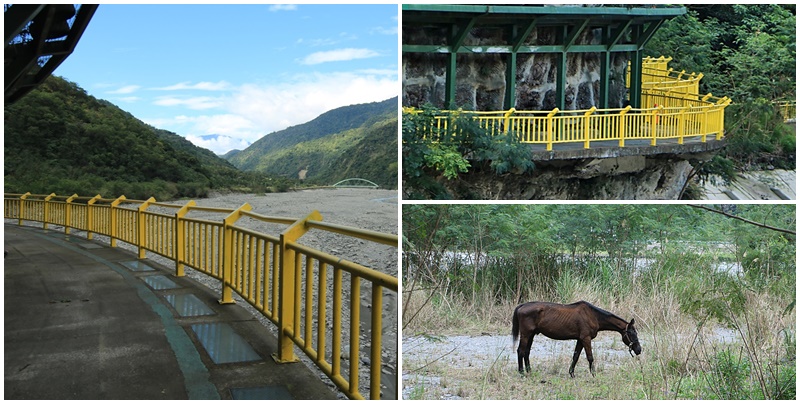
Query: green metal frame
{"x": 639, "y": 23}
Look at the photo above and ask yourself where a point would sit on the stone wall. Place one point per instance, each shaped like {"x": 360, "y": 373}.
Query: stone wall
{"x": 481, "y": 78}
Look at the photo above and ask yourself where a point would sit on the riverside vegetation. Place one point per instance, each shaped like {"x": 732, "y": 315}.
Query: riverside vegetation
{"x": 688, "y": 276}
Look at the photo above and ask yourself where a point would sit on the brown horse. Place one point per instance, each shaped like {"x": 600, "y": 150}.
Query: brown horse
{"x": 579, "y": 321}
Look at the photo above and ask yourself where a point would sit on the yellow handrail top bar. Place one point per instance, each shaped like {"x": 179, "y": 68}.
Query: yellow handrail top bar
{"x": 382, "y": 238}
{"x": 376, "y": 277}
{"x": 271, "y": 219}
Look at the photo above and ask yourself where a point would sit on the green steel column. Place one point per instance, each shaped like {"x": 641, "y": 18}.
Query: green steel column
{"x": 450, "y": 82}
{"x": 636, "y": 79}
{"x": 517, "y": 37}
{"x": 561, "y": 80}
{"x": 511, "y": 82}
{"x": 605, "y": 62}
{"x": 561, "y": 71}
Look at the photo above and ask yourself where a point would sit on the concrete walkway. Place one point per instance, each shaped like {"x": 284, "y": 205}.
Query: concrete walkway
{"x": 87, "y": 321}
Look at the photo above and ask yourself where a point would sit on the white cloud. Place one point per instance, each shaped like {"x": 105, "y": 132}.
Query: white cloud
{"x": 251, "y": 111}
{"x": 223, "y": 124}
{"x": 390, "y": 30}
{"x": 272, "y": 108}
{"x": 338, "y": 55}
{"x": 125, "y": 90}
{"x": 188, "y": 102}
{"x": 220, "y": 144}
{"x": 283, "y": 7}
{"x": 128, "y": 99}
{"x": 203, "y": 85}
{"x": 377, "y": 72}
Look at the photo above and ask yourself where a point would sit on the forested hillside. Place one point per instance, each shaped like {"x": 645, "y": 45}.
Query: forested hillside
{"x": 364, "y": 152}
{"x": 60, "y": 139}
{"x": 353, "y": 141}
{"x": 746, "y": 52}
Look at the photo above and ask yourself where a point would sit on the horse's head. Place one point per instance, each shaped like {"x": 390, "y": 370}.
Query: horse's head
{"x": 631, "y": 339}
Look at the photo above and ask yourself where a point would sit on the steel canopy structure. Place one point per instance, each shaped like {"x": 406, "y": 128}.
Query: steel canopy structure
{"x": 38, "y": 37}
{"x": 624, "y": 29}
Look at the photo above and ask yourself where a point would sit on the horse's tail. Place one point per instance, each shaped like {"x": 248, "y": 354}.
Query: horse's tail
{"x": 515, "y": 326}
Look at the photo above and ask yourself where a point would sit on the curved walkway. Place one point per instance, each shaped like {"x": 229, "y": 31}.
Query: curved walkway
{"x": 87, "y": 321}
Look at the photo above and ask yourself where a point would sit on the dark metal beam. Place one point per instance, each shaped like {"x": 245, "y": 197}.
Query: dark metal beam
{"x": 648, "y": 33}
{"x": 17, "y": 17}
{"x": 32, "y": 58}
{"x": 573, "y": 35}
{"x": 617, "y": 34}
{"x": 460, "y": 31}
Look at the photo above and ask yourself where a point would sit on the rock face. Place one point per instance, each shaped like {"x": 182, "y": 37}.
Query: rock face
{"x": 481, "y": 78}
{"x": 622, "y": 178}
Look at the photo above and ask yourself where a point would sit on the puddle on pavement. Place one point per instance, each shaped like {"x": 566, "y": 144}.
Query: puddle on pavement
{"x": 160, "y": 282}
{"x": 261, "y": 393}
{"x": 188, "y": 305}
{"x": 223, "y": 344}
{"x": 137, "y": 266}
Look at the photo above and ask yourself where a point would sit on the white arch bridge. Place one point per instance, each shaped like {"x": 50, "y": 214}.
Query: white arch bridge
{"x": 356, "y": 183}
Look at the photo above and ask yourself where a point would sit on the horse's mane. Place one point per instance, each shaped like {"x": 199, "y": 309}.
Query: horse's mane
{"x": 601, "y": 311}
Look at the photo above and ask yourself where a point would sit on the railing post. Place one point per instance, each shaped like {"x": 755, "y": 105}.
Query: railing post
{"x": 113, "y": 224}
{"x": 227, "y": 251}
{"x": 286, "y": 298}
{"x": 47, "y": 210}
{"x": 653, "y": 124}
{"x": 141, "y": 239}
{"x": 68, "y": 213}
{"x": 22, "y": 207}
{"x": 550, "y": 128}
{"x": 682, "y": 125}
{"x": 586, "y": 127}
{"x": 507, "y": 120}
{"x": 180, "y": 238}
{"x": 724, "y": 102}
{"x": 622, "y": 125}
{"x": 90, "y": 217}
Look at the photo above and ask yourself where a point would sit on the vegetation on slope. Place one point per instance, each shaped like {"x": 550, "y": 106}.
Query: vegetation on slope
{"x": 356, "y": 153}
{"x": 60, "y": 139}
{"x": 747, "y": 53}
{"x": 351, "y": 141}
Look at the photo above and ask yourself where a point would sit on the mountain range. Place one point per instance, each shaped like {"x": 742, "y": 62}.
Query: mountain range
{"x": 60, "y": 139}
{"x": 353, "y": 141}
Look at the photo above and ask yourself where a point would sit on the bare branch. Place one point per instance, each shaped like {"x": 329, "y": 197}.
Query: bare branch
{"x": 787, "y": 231}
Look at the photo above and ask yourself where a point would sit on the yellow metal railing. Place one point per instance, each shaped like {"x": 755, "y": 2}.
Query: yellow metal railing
{"x": 586, "y": 126}
{"x": 286, "y": 281}
{"x": 788, "y": 110}
{"x": 673, "y": 109}
{"x": 656, "y": 75}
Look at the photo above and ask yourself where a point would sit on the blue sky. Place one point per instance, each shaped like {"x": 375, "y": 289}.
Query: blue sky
{"x": 240, "y": 71}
